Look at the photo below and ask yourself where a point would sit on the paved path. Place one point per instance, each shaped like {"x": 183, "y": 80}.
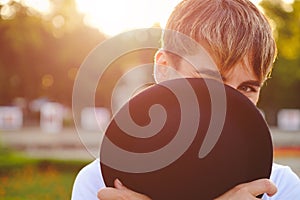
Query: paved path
{"x": 67, "y": 144}
{"x": 84, "y": 145}
{"x": 287, "y": 148}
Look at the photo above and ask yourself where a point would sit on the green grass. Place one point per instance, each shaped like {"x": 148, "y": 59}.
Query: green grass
{"x": 23, "y": 178}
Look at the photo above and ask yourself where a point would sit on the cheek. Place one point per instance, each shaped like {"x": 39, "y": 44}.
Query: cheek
{"x": 159, "y": 73}
{"x": 254, "y": 100}
{"x": 253, "y": 97}
{"x": 156, "y": 75}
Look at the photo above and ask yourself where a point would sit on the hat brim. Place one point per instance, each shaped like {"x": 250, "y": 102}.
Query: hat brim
{"x": 241, "y": 152}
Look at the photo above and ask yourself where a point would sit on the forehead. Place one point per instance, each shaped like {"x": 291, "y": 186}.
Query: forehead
{"x": 201, "y": 60}
{"x": 204, "y": 59}
{"x": 240, "y": 72}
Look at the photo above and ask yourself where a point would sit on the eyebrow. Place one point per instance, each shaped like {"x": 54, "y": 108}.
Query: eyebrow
{"x": 252, "y": 82}
{"x": 217, "y": 75}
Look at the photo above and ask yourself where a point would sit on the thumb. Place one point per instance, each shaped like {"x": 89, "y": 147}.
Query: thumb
{"x": 119, "y": 185}
{"x": 129, "y": 193}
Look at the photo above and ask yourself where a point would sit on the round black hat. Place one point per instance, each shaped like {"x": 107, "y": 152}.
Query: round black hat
{"x": 186, "y": 139}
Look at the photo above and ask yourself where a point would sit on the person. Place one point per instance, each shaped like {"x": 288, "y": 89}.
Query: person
{"x": 239, "y": 39}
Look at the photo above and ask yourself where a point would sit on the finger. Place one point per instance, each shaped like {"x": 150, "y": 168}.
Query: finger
{"x": 260, "y": 186}
{"x": 108, "y": 194}
{"x": 127, "y": 193}
{"x": 119, "y": 185}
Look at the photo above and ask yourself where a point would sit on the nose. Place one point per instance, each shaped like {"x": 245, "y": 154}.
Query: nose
{"x": 231, "y": 84}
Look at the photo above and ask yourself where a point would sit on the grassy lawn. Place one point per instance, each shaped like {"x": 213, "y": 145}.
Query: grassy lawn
{"x": 24, "y": 178}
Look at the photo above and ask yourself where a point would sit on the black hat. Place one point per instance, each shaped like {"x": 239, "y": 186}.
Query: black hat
{"x": 186, "y": 139}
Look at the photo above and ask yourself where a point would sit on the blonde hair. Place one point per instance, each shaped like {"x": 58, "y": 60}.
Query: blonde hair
{"x": 231, "y": 30}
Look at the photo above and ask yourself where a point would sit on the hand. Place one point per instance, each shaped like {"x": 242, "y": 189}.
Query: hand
{"x": 120, "y": 192}
{"x": 250, "y": 190}
{"x": 243, "y": 191}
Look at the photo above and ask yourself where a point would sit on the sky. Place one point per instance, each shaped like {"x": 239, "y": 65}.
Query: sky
{"x": 115, "y": 16}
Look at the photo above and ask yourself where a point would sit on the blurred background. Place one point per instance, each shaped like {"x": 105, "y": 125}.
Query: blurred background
{"x": 43, "y": 44}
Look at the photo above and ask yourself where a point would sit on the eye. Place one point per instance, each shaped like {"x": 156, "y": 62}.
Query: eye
{"x": 247, "y": 88}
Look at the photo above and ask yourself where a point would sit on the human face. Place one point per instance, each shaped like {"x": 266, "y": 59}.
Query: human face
{"x": 240, "y": 77}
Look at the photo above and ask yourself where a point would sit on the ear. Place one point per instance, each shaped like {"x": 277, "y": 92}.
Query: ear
{"x": 161, "y": 66}
{"x": 161, "y": 60}
{"x": 161, "y": 57}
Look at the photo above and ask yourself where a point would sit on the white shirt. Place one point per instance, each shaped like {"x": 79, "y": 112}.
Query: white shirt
{"x": 89, "y": 180}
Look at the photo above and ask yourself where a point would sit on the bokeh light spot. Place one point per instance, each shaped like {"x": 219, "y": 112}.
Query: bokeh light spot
{"x": 47, "y": 81}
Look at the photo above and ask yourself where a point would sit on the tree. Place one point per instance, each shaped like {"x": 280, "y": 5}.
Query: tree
{"x": 40, "y": 54}
{"x": 283, "y": 90}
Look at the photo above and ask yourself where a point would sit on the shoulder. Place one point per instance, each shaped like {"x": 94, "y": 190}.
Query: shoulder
{"x": 88, "y": 181}
{"x": 282, "y": 173}
{"x": 287, "y": 182}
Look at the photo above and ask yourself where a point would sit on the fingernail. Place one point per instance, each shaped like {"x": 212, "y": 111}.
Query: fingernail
{"x": 118, "y": 183}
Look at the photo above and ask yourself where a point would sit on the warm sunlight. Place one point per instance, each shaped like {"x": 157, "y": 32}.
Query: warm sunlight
{"x": 115, "y": 16}
{"x": 43, "y": 6}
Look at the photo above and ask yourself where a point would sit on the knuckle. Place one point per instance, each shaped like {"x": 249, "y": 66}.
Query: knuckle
{"x": 106, "y": 193}
{"x": 100, "y": 194}
{"x": 241, "y": 190}
{"x": 239, "y": 187}
{"x": 267, "y": 185}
